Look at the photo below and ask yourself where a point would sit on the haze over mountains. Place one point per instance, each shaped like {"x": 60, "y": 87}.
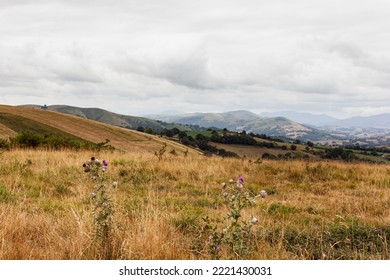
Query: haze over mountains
{"x": 375, "y": 121}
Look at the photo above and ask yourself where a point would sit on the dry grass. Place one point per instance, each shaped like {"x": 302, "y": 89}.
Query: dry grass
{"x": 314, "y": 210}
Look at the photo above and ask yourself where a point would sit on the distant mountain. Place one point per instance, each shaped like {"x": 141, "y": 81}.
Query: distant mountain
{"x": 327, "y": 122}
{"x": 376, "y": 121}
{"x": 250, "y": 122}
{"x": 303, "y": 118}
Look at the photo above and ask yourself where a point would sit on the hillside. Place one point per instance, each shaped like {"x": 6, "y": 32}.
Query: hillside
{"x": 105, "y": 116}
{"x": 16, "y": 119}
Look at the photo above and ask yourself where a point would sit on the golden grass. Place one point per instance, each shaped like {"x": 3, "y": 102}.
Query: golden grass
{"x": 314, "y": 210}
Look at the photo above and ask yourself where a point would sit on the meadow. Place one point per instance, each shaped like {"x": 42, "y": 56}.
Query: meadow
{"x": 313, "y": 210}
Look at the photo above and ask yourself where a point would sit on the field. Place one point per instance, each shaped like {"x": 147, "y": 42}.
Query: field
{"x": 314, "y": 210}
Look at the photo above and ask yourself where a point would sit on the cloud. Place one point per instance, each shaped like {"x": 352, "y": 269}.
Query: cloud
{"x": 139, "y": 56}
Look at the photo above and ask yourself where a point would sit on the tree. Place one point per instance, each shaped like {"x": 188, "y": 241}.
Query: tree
{"x": 149, "y": 130}
{"x": 293, "y": 148}
{"x": 182, "y": 134}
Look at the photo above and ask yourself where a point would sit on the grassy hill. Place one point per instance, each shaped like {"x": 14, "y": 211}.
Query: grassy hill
{"x": 16, "y": 119}
{"x": 107, "y": 117}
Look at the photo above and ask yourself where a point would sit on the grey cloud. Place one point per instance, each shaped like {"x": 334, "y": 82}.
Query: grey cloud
{"x": 185, "y": 67}
{"x": 32, "y": 63}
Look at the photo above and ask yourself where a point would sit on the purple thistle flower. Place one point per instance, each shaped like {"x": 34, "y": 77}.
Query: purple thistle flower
{"x": 241, "y": 180}
{"x": 105, "y": 163}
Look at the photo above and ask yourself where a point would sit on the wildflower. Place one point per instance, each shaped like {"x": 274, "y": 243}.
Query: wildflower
{"x": 104, "y": 168}
{"x": 241, "y": 180}
{"x": 225, "y": 194}
{"x": 263, "y": 193}
{"x": 223, "y": 185}
{"x": 218, "y": 249}
{"x": 114, "y": 184}
{"x": 254, "y": 221}
{"x": 239, "y": 186}
{"x": 105, "y": 163}
{"x": 231, "y": 180}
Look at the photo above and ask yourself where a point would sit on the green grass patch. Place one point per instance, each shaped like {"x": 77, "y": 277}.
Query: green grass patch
{"x": 5, "y": 195}
{"x": 281, "y": 210}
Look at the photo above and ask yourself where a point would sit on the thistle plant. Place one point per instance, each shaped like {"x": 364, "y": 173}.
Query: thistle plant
{"x": 235, "y": 235}
{"x": 103, "y": 208}
{"x": 160, "y": 153}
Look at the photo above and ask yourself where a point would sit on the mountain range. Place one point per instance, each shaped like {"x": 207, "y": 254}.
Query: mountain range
{"x": 375, "y": 121}
{"x": 250, "y": 122}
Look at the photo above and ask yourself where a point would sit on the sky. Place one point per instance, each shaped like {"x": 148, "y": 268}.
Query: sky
{"x": 141, "y": 57}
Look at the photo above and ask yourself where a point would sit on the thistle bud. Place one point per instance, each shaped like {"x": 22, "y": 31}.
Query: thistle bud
{"x": 254, "y": 221}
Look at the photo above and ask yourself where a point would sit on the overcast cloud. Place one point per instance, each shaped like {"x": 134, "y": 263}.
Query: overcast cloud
{"x": 150, "y": 56}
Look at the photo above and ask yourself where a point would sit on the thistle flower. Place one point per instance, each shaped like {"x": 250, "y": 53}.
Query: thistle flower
{"x": 105, "y": 163}
{"x": 231, "y": 180}
{"x": 225, "y": 194}
{"x": 239, "y": 186}
{"x": 223, "y": 185}
{"x": 263, "y": 193}
{"x": 241, "y": 180}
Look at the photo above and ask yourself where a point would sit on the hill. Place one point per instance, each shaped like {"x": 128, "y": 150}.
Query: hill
{"x": 105, "y": 116}
{"x": 15, "y": 119}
